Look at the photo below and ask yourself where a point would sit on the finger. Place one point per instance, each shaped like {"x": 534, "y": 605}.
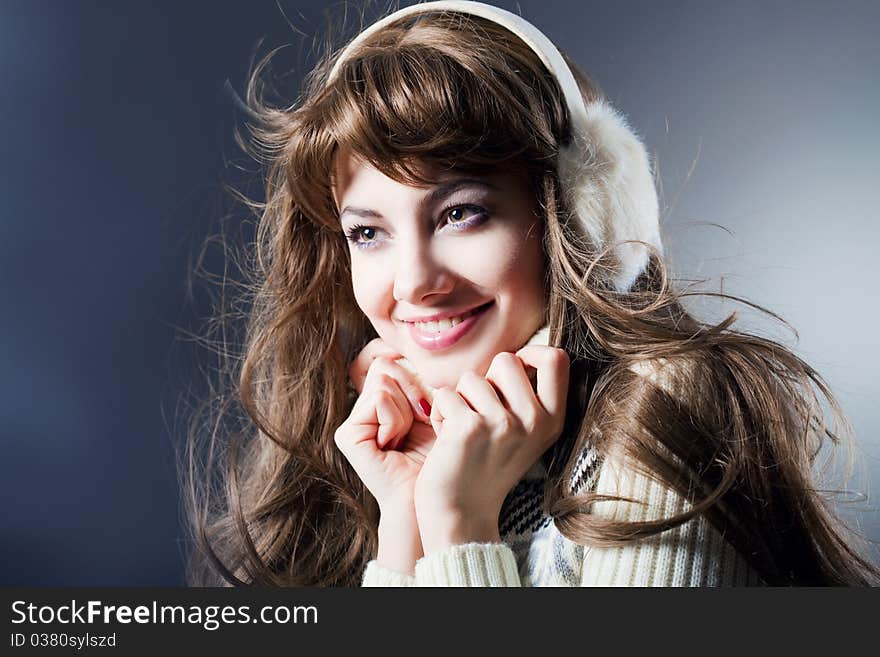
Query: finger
{"x": 406, "y": 415}
{"x": 375, "y": 348}
{"x": 552, "y": 365}
{"x": 392, "y": 425}
{"x": 508, "y": 375}
{"x": 420, "y": 439}
{"x": 481, "y": 396}
{"x": 448, "y": 405}
{"x": 404, "y": 419}
{"x": 357, "y": 441}
{"x": 412, "y": 390}
{"x": 427, "y": 389}
{"x": 383, "y": 407}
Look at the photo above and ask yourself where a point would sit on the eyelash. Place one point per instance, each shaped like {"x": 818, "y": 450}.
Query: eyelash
{"x": 479, "y": 216}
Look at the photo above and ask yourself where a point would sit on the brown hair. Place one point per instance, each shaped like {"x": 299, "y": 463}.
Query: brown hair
{"x": 737, "y": 429}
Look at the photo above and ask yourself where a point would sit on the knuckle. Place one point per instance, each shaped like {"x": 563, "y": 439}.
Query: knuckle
{"x": 468, "y": 436}
{"x": 559, "y": 357}
{"x": 467, "y": 379}
{"x": 470, "y": 426}
{"x": 530, "y": 419}
{"x": 443, "y": 395}
{"x": 505, "y": 425}
{"x": 501, "y": 362}
{"x": 380, "y": 364}
{"x": 379, "y": 396}
{"x": 372, "y": 348}
{"x": 384, "y": 381}
{"x": 505, "y": 358}
{"x": 388, "y": 396}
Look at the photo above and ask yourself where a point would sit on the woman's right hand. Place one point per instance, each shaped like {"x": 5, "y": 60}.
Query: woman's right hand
{"x": 386, "y": 438}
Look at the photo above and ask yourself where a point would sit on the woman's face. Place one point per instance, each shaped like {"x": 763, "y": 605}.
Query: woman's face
{"x": 448, "y": 275}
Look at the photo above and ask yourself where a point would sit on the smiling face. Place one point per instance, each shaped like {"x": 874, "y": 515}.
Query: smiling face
{"x": 449, "y": 275}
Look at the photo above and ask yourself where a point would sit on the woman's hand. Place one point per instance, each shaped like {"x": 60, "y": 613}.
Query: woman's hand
{"x": 386, "y": 438}
{"x": 490, "y": 431}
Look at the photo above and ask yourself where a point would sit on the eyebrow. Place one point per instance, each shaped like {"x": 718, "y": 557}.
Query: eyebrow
{"x": 442, "y": 190}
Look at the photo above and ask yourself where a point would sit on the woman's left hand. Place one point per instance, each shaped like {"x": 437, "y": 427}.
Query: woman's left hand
{"x": 490, "y": 431}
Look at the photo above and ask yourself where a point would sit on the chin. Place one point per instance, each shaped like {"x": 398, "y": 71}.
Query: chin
{"x": 439, "y": 375}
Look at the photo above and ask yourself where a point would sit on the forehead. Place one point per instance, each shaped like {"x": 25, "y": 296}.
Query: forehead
{"x": 351, "y": 172}
{"x": 352, "y": 175}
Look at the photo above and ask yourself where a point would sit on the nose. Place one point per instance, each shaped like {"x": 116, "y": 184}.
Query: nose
{"x": 419, "y": 274}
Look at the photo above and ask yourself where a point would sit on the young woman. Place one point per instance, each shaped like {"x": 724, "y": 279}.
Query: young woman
{"x": 464, "y": 363}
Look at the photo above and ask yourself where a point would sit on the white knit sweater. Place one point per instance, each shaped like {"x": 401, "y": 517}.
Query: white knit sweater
{"x": 534, "y": 553}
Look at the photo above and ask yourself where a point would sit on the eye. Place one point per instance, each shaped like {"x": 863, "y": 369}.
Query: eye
{"x": 361, "y": 236}
{"x": 457, "y": 215}
{"x": 464, "y": 216}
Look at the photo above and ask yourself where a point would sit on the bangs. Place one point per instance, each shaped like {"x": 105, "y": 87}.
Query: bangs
{"x": 430, "y": 97}
{"x": 418, "y": 105}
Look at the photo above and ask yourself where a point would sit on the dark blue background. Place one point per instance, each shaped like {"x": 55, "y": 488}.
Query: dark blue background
{"x": 115, "y": 135}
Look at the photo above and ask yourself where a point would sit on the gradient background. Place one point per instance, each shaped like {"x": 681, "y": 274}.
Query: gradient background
{"x": 117, "y": 136}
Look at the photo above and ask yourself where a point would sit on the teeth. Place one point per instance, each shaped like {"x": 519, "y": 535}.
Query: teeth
{"x": 443, "y": 324}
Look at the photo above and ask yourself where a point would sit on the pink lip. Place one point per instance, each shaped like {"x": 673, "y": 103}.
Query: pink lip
{"x": 436, "y": 317}
{"x": 447, "y": 338}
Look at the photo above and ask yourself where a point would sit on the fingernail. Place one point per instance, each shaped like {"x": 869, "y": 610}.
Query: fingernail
{"x": 425, "y": 406}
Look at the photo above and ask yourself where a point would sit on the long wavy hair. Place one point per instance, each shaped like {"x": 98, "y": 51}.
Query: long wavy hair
{"x": 737, "y": 429}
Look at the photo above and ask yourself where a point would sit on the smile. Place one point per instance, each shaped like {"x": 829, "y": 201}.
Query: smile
{"x": 446, "y": 332}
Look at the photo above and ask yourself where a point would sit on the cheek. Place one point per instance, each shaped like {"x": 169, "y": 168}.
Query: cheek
{"x": 488, "y": 263}
{"x": 371, "y": 289}
{"x": 522, "y": 280}
{"x": 534, "y": 265}
{"x": 508, "y": 263}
